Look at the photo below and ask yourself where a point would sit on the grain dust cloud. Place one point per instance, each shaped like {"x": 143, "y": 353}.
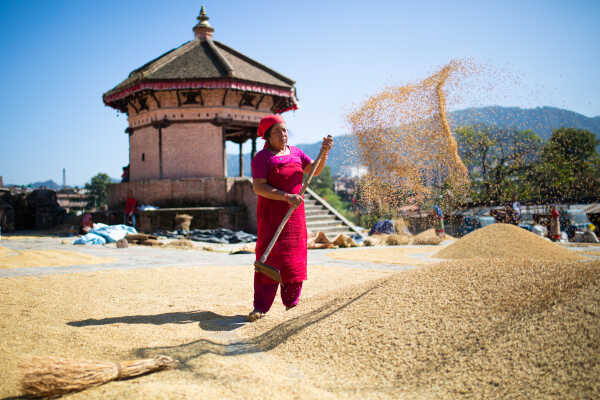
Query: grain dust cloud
{"x": 405, "y": 142}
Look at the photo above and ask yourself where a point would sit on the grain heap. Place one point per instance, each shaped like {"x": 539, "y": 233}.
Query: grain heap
{"x": 483, "y": 329}
{"x": 427, "y": 237}
{"x": 405, "y": 141}
{"x": 503, "y": 240}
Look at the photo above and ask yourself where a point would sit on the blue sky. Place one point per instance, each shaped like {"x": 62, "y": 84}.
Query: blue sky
{"x": 59, "y": 57}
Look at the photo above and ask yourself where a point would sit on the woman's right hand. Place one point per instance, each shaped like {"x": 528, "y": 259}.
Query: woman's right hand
{"x": 293, "y": 199}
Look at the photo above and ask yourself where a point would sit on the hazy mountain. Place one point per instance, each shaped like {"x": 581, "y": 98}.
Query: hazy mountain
{"x": 541, "y": 120}
{"x": 49, "y": 184}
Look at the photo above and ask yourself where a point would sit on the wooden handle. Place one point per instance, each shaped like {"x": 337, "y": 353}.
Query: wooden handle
{"x": 292, "y": 208}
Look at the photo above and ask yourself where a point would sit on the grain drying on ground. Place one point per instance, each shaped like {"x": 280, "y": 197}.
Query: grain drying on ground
{"x": 495, "y": 328}
{"x": 504, "y": 240}
{"x": 427, "y": 237}
{"x": 10, "y": 258}
{"x": 387, "y": 255}
{"x": 188, "y": 313}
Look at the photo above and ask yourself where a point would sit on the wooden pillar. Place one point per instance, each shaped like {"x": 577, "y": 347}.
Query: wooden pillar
{"x": 241, "y": 161}
{"x": 159, "y": 125}
{"x": 253, "y": 153}
{"x": 224, "y": 152}
{"x": 160, "y": 157}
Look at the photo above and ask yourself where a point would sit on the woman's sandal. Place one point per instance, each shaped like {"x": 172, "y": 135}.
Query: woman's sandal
{"x": 254, "y": 315}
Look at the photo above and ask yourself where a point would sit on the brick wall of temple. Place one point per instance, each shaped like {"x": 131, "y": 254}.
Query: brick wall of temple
{"x": 188, "y": 150}
{"x": 143, "y": 154}
{"x": 192, "y": 150}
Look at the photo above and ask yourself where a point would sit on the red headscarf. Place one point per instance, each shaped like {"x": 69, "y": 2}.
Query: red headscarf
{"x": 267, "y": 122}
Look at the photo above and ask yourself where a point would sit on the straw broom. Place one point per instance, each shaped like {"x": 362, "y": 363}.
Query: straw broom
{"x": 51, "y": 376}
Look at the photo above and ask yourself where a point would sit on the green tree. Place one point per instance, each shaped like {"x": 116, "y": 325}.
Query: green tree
{"x": 569, "y": 166}
{"x": 97, "y": 192}
{"x": 499, "y": 161}
{"x": 320, "y": 184}
{"x": 324, "y": 186}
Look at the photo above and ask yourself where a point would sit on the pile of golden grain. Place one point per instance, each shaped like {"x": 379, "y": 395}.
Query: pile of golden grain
{"x": 496, "y": 328}
{"x": 427, "y": 237}
{"x": 503, "y": 240}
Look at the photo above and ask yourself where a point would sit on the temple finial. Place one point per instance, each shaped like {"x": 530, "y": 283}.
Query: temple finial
{"x": 203, "y": 30}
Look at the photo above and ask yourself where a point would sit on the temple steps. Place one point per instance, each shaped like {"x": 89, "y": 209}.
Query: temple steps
{"x": 322, "y": 217}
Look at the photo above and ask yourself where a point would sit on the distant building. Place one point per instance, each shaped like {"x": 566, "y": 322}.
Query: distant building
{"x": 355, "y": 171}
{"x": 345, "y": 187}
{"x": 72, "y": 200}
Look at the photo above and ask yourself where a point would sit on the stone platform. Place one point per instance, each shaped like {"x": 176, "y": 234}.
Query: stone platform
{"x": 213, "y": 202}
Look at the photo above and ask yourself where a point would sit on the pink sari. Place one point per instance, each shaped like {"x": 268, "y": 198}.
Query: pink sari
{"x": 289, "y": 253}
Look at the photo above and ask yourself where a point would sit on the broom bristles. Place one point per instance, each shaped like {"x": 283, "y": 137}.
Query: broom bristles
{"x": 49, "y": 376}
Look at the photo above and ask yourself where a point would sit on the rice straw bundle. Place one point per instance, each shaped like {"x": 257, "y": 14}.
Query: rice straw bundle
{"x": 51, "y": 376}
{"x": 397, "y": 239}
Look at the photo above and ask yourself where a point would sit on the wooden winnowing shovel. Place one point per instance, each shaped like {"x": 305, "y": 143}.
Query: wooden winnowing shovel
{"x": 260, "y": 265}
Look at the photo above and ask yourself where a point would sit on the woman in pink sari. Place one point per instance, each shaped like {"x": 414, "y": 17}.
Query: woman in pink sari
{"x": 277, "y": 173}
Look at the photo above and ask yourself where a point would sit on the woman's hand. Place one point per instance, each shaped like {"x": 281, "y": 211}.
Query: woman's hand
{"x": 325, "y": 147}
{"x": 327, "y": 144}
{"x": 293, "y": 200}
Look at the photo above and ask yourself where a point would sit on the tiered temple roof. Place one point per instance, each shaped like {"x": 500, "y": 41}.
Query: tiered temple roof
{"x": 205, "y": 64}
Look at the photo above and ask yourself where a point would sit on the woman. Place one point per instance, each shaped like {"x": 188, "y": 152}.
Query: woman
{"x": 554, "y": 224}
{"x": 130, "y": 206}
{"x": 277, "y": 173}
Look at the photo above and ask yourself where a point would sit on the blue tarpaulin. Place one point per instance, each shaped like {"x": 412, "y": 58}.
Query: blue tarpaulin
{"x": 382, "y": 226}
{"x": 102, "y": 234}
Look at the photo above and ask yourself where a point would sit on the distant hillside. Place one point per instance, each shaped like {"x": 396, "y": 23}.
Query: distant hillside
{"x": 340, "y": 155}
{"x": 49, "y": 184}
{"x": 541, "y": 120}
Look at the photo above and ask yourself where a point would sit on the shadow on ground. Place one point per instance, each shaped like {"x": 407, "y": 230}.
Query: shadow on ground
{"x": 208, "y": 320}
{"x": 269, "y": 340}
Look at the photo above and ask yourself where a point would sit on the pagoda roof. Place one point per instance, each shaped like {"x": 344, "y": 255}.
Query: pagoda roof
{"x": 204, "y": 64}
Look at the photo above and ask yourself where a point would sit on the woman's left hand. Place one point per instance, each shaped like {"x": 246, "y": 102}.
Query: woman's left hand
{"x": 293, "y": 200}
{"x": 327, "y": 144}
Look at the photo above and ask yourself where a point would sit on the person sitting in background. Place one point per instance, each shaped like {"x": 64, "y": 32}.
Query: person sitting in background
{"x": 130, "y": 206}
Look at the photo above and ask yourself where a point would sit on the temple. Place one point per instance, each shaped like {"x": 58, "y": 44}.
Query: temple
{"x": 182, "y": 108}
